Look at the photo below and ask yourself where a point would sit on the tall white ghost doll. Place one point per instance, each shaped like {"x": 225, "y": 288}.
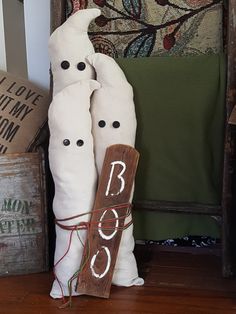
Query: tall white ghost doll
{"x": 69, "y": 45}
{"x": 74, "y": 172}
{"x": 71, "y": 151}
{"x": 114, "y": 122}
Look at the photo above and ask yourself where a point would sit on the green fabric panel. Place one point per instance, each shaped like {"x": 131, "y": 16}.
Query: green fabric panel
{"x": 149, "y": 225}
{"x": 180, "y": 112}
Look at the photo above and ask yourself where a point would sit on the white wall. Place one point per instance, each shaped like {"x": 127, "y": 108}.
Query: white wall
{"x": 2, "y": 41}
{"x": 37, "y": 32}
{"x": 24, "y": 44}
{"x": 13, "y": 12}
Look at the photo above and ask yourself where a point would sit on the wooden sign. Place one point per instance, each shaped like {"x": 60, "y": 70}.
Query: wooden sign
{"x": 23, "y": 219}
{"x": 107, "y": 221}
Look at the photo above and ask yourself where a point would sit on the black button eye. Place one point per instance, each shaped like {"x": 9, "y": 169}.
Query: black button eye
{"x": 66, "y": 142}
{"x": 116, "y": 124}
{"x": 102, "y": 123}
{"x": 80, "y": 143}
{"x": 81, "y": 66}
{"x": 65, "y": 65}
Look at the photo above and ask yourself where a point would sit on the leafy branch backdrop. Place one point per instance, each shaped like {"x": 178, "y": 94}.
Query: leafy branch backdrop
{"x": 143, "y": 28}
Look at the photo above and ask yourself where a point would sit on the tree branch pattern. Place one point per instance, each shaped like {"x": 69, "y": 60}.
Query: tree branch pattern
{"x": 139, "y": 28}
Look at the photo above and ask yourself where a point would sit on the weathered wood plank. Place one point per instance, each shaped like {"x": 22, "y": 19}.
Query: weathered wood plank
{"x": 58, "y": 16}
{"x": 58, "y": 13}
{"x": 178, "y": 207}
{"x": 115, "y": 186}
{"x": 229, "y": 151}
{"x": 23, "y": 221}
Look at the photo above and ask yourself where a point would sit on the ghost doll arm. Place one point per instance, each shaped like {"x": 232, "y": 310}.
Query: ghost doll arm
{"x": 67, "y": 100}
{"x": 108, "y": 71}
{"x": 72, "y": 89}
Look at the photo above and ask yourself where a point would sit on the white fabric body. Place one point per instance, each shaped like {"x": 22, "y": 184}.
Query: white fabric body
{"x": 74, "y": 173}
{"x": 73, "y": 167}
{"x": 70, "y": 42}
{"x": 113, "y": 102}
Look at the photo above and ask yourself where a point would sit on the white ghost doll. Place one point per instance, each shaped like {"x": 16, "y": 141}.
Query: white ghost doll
{"x": 114, "y": 122}
{"x": 73, "y": 169}
{"x": 71, "y": 151}
{"x": 69, "y": 45}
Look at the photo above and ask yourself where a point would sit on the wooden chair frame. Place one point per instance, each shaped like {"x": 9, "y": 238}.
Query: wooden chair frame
{"x": 226, "y": 209}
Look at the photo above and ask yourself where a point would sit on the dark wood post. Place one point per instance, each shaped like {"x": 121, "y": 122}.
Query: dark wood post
{"x": 58, "y": 13}
{"x": 229, "y": 153}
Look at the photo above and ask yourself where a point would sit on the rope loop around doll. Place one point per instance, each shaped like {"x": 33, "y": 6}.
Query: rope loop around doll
{"x": 86, "y": 225}
{"x": 83, "y": 225}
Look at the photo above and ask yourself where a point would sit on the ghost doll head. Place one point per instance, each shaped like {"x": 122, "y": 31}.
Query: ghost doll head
{"x": 69, "y": 116}
{"x": 69, "y": 45}
{"x": 113, "y": 111}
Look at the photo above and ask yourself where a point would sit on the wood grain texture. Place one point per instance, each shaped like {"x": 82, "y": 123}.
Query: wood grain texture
{"x": 231, "y": 49}
{"x": 23, "y": 219}
{"x": 58, "y": 13}
{"x": 115, "y": 186}
{"x": 182, "y": 207}
{"x": 229, "y": 150}
{"x": 175, "y": 283}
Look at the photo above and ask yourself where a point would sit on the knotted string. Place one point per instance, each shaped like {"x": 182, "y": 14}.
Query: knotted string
{"x": 92, "y": 225}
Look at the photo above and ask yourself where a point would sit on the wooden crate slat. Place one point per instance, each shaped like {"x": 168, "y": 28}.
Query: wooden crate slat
{"x": 23, "y": 221}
